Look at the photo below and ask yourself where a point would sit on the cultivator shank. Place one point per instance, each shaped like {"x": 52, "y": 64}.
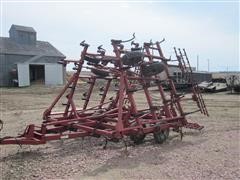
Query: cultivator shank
{"x": 115, "y": 113}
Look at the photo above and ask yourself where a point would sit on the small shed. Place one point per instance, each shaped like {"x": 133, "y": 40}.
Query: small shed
{"x": 24, "y": 60}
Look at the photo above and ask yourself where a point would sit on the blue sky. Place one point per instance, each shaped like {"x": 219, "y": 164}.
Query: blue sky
{"x": 207, "y": 29}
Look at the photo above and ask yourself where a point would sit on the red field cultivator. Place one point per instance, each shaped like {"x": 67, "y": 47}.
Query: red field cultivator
{"x": 117, "y": 113}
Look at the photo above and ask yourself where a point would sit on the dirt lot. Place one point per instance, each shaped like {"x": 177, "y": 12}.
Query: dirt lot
{"x": 213, "y": 153}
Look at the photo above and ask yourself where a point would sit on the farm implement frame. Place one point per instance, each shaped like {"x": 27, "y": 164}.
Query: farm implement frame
{"x": 117, "y": 114}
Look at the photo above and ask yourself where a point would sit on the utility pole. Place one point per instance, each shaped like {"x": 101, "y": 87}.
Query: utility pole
{"x": 208, "y": 65}
{"x": 197, "y": 62}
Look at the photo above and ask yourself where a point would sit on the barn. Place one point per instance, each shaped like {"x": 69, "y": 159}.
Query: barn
{"x": 24, "y": 60}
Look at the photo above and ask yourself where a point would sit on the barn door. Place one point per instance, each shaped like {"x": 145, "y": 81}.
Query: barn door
{"x": 23, "y": 75}
{"x": 53, "y": 74}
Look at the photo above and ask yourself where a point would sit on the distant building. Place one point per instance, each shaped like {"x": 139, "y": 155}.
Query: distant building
{"x": 198, "y": 76}
{"x": 25, "y": 60}
{"x": 224, "y": 74}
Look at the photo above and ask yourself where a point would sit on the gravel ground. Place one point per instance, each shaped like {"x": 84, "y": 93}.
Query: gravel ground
{"x": 213, "y": 153}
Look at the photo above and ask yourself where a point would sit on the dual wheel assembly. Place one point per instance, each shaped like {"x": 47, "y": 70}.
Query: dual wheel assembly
{"x": 160, "y": 136}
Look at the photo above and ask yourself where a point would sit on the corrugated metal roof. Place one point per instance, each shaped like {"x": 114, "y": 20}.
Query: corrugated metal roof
{"x": 9, "y": 46}
{"x": 22, "y": 28}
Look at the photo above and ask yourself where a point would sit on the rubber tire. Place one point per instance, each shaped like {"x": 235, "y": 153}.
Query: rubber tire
{"x": 159, "y": 137}
{"x": 153, "y": 68}
{"x": 166, "y": 132}
{"x": 100, "y": 73}
{"x": 137, "y": 138}
{"x": 92, "y": 59}
{"x": 132, "y": 58}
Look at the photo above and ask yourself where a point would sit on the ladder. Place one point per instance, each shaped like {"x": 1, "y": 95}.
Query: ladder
{"x": 187, "y": 72}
